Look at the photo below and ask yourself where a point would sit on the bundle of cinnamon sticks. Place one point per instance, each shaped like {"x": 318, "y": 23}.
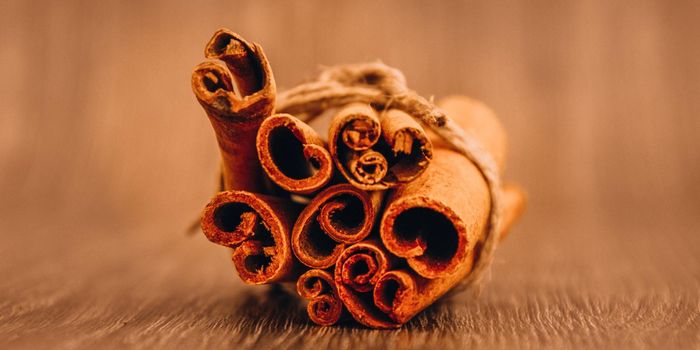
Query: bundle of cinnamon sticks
{"x": 375, "y": 218}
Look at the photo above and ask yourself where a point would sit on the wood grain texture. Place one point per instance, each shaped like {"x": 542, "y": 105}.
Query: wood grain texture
{"x": 105, "y": 158}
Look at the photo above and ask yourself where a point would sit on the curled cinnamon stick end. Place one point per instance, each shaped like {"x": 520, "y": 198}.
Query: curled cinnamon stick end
{"x": 257, "y": 227}
{"x": 246, "y": 90}
{"x": 371, "y": 162}
{"x": 318, "y": 286}
{"x": 355, "y": 127}
{"x": 392, "y": 291}
{"x": 397, "y": 295}
{"x": 293, "y": 155}
{"x": 338, "y": 215}
{"x": 236, "y": 100}
{"x": 246, "y": 61}
{"x": 436, "y": 221}
{"x": 368, "y": 167}
{"x": 402, "y": 293}
{"x": 411, "y": 149}
{"x": 359, "y": 268}
{"x": 360, "y": 127}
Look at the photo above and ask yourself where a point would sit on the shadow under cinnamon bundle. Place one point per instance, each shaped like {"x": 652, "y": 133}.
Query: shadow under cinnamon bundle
{"x": 402, "y": 203}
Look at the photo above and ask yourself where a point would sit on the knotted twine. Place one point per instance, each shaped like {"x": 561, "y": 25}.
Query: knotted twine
{"x": 382, "y": 86}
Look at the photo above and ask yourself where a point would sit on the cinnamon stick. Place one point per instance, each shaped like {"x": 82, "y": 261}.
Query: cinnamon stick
{"x": 293, "y": 155}
{"x": 339, "y": 215}
{"x": 377, "y": 151}
{"x": 380, "y": 293}
{"x": 358, "y": 270}
{"x": 318, "y": 286}
{"x": 403, "y": 293}
{"x": 436, "y": 221}
{"x": 257, "y": 227}
{"x": 236, "y": 100}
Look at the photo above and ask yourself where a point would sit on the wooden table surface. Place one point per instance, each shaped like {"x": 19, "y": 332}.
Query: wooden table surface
{"x": 105, "y": 158}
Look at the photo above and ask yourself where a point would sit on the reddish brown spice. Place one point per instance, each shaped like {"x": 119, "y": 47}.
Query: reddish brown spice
{"x": 293, "y": 155}
{"x": 436, "y": 221}
{"x": 257, "y": 228}
{"x": 317, "y": 286}
{"x": 358, "y": 270}
{"x": 403, "y": 293}
{"x": 338, "y": 215}
{"x": 236, "y": 99}
{"x": 376, "y": 151}
{"x": 380, "y": 293}
{"x": 433, "y": 230}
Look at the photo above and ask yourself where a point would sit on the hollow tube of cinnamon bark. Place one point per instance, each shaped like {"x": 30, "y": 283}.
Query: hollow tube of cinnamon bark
{"x": 257, "y": 227}
{"x": 436, "y": 221}
{"x": 318, "y": 286}
{"x": 380, "y": 293}
{"x": 237, "y": 97}
{"x": 339, "y": 215}
{"x": 293, "y": 155}
{"x": 359, "y": 268}
{"x": 378, "y": 151}
{"x": 402, "y": 293}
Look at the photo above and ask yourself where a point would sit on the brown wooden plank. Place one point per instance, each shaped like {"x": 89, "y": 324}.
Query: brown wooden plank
{"x": 105, "y": 158}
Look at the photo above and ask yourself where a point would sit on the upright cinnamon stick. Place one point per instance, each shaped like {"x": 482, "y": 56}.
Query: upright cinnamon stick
{"x": 293, "y": 155}
{"x": 436, "y": 221}
{"x": 236, "y": 100}
{"x": 377, "y": 151}
{"x": 339, "y": 215}
{"x": 257, "y": 227}
{"x": 318, "y": 286}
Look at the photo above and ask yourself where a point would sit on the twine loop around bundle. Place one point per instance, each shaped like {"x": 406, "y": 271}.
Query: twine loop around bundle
{"x": 380, "y": 85}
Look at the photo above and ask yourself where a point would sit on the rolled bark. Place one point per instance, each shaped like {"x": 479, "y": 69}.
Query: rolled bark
{"x": 293, "y": 155}
{"x": 318, "y": 286}
{"x": 339, "y": 215}
{"x": 381, "y": 293}
{"x": 402, "y": 293}
{"x": 257, "y": 228}
{"x": 358, "y": 270}
{"x": 436, "y": 221}
{"x": 236, "y": 99}
{"x": 378, "y": 151}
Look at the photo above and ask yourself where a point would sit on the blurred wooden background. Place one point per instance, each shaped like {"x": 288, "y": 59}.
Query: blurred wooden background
{"x": 105, "y": 158}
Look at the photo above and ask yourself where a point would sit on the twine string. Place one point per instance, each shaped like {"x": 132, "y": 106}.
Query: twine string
{"x": 380, "y": 85}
